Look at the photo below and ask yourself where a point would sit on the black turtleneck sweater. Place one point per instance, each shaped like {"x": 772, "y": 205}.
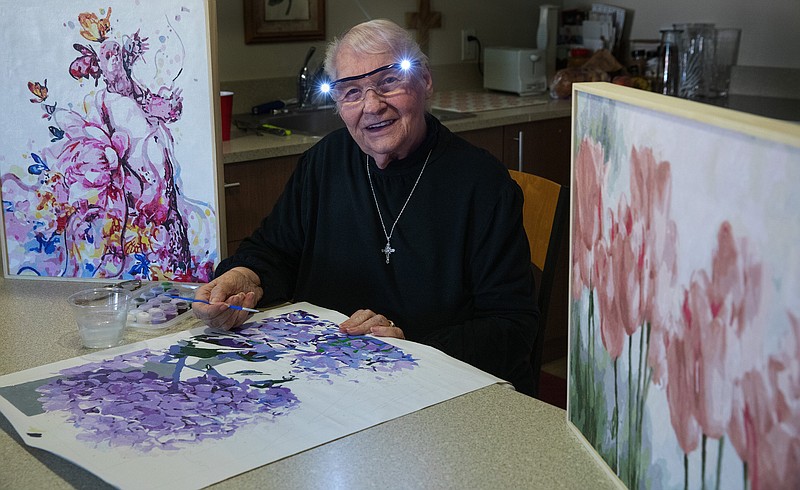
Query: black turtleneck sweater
{"x": 459, "y": 279}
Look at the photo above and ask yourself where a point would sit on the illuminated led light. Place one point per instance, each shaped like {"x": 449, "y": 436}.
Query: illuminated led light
{"x": 405, "y": 65}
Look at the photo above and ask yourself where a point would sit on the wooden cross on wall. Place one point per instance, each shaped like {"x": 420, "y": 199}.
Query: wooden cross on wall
{"x": 423, "y": 21}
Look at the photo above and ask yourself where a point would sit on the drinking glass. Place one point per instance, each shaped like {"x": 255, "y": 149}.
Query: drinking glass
{"x": 726, "y": 53}
{"x": 697, "y": 60}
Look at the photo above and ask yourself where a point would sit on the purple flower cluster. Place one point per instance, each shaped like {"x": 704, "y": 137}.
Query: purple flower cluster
{"x": 125, "y": 402}
{"x": 334, "y": 354}
{"x": 142, "y": 410}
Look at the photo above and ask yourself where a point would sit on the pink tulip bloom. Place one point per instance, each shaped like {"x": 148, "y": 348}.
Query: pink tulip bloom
{"x": 587, "y": 209}
{"x": 765, "y": 427}
{"x": 774, "y": 446}
{"x": 626, "y": 248}
{"x": 717, "y": 322}
{"x": 612, "y": 333}
{"x": 680, "y": 392}
{"x": 651, "y": 198}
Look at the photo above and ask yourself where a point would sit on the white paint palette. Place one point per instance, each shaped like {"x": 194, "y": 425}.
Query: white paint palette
{"x": 153, "y": 308}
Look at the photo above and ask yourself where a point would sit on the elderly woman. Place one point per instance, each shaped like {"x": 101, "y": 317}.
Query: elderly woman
{"x": 395, "y": 221}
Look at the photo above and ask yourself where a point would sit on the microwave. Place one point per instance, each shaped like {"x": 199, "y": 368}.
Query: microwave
{"x": 518, "y": 70}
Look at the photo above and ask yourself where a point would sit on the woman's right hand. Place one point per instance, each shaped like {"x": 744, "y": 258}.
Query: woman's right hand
{"x": 239, "y": 286}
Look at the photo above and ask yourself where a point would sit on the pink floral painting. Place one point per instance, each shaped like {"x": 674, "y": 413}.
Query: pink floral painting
{"x": 107, "y": 162}
{"x": 684, "y": 368}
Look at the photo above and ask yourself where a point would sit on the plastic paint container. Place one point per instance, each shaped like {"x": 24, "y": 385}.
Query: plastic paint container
{"x": 157, "y": 316}
{"x": 153, "y": 309}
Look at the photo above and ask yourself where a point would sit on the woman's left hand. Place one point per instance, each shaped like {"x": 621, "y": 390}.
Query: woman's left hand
{"x": 365, "y": 322}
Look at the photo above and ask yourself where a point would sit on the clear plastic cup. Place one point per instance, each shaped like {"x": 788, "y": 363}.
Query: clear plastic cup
{"x": 101, "y": 314}
{"x": 726, "y": 55}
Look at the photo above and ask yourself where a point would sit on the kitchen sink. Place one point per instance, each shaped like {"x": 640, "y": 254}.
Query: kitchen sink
{"x": 319, "y": 122}
{"x": 445, "y": 115}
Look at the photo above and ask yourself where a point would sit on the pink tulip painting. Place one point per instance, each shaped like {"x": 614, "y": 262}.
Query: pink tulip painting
{"x": 684, "y": 367}
{"x": 103, "y": 196}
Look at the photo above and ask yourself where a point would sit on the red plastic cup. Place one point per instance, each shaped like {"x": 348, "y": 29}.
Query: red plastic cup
{"x": 226, "y": 109}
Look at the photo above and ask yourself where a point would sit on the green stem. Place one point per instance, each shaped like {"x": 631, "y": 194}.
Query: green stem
{"x": 747, "y": 484}
{"x": 592, "y": 395}
{"x": 631, "y": 423}
{"x": 719, "y": 461}
{"x": 685, "y": 471}
{"x": 703, "y": 464}
{"x": 615, "y": 419}
{"x": 636, "y": 436}
{"x": 646, "y": 378}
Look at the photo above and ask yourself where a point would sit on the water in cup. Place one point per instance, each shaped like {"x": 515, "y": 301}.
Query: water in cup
{"x": 101, "y": 314}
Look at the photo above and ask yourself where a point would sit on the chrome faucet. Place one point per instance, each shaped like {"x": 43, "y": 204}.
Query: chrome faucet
{"x": 303, "y": 80}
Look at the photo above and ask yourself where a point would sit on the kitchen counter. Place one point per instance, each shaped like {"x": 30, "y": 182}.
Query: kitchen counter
{"x": 773, "y": 107}
{"x": 244, "y": 146}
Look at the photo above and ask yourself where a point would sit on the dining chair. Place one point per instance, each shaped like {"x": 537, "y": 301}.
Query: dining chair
{"x": 544, "y": 215}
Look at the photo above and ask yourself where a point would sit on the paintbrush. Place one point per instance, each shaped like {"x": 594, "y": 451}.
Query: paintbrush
{"x": 194, "y": 300}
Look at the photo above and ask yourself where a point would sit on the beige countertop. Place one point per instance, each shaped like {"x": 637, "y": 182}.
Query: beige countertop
{"x": 244, "y": 147}
{"x": 489, "y": 438}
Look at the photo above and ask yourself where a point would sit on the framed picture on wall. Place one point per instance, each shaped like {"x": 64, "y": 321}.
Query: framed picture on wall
{"x": 108, "y": 161}
{"x": 685, "y": 291}
{"x": 267, "y": 21}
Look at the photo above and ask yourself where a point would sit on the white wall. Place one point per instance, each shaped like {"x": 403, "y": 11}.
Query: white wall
{"x": 497, "y": 22}
{"x": 770, "y": 28}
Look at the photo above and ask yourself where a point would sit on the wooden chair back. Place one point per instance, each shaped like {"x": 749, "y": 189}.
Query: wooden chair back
{"x": 544, "y": 216}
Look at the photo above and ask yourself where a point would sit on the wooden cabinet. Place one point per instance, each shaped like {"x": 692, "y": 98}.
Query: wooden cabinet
{"x": 251, "y": 190}
{"x": 538, "y": 147}
{"x": 541, "y": 148}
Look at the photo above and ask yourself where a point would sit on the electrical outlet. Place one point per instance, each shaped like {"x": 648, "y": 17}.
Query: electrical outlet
{"x": 469, "y": 49}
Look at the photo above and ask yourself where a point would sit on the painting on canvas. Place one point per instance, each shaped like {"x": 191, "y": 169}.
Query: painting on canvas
{"x": 684, "y": 368}
{"x": 107, "y": 161}
{"x": 154, "y": 414}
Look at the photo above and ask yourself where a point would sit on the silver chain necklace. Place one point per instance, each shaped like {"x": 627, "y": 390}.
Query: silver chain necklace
{"x": 388, "y": 250}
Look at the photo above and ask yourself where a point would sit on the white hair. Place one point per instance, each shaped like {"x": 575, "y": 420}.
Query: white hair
{"x": 379, "y": 36}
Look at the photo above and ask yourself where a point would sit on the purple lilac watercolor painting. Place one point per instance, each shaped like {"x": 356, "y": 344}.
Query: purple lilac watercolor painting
{"x": 684, "y": 367}
{"x": 108, "y": 170}
{"x": 153, "y": 414}
{"x": 184, "y": 395}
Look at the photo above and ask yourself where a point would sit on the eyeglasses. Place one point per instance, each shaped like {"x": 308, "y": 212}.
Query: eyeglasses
{"x": 385, "y": 81}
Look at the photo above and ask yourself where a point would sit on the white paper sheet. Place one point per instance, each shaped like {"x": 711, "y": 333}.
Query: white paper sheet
{"x": 208, "y": 397}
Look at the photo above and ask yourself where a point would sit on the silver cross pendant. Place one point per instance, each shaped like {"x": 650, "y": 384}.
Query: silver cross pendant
{"x": 387, "y": 251}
